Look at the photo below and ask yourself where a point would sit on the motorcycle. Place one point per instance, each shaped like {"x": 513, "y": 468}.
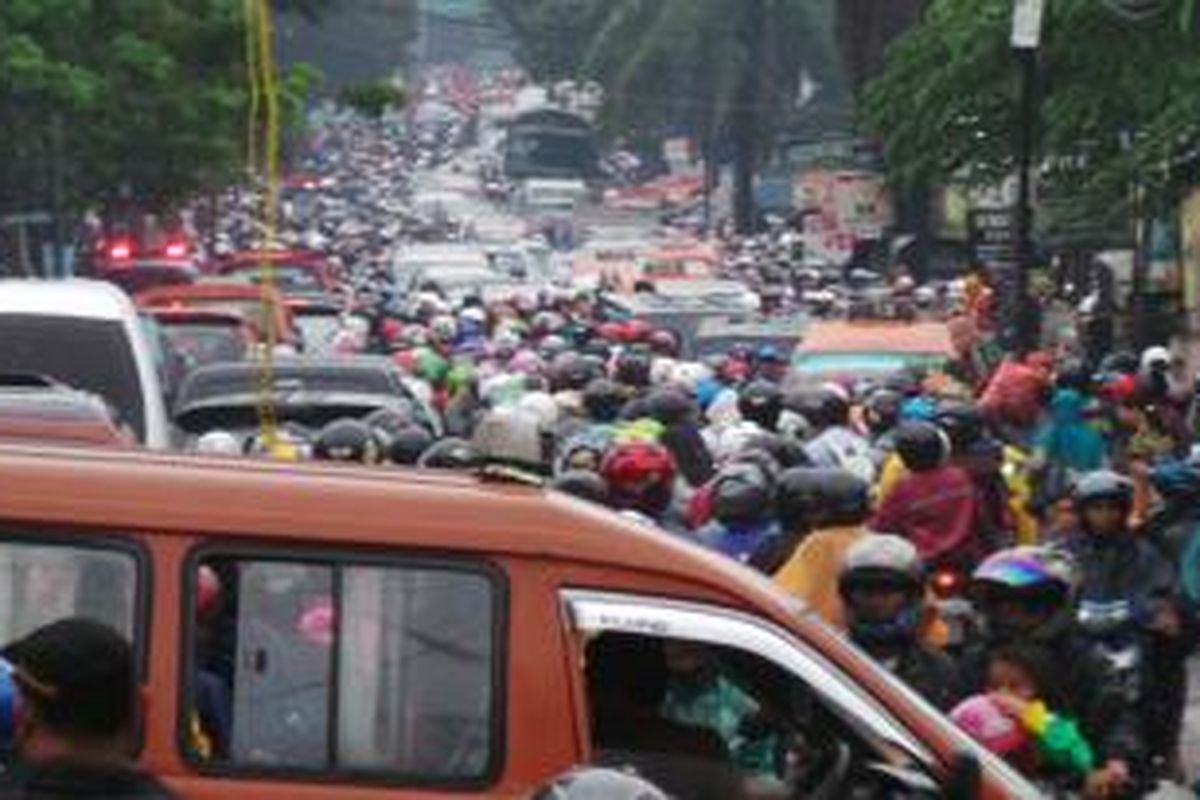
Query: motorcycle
{"x": 1116, "y": 635}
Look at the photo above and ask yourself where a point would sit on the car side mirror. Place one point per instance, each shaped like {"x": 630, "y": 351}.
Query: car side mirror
{"x": 964, "y": 781}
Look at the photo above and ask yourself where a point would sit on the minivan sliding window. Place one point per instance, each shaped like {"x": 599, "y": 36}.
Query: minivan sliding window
{"x": 312, "y": 666}
{"x": 41, "y": 583}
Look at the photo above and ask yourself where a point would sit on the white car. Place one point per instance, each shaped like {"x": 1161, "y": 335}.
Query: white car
{"x": 85, "y": 334}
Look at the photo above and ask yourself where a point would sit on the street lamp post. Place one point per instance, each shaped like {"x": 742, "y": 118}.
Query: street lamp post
{"x": 1026, "y": 38}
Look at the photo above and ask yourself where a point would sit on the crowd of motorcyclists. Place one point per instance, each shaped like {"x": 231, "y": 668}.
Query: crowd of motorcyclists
{"x": 1015, "y": 535}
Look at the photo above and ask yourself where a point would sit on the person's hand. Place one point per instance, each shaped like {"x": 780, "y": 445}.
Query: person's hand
{"x": 1166, "y": 621}
{"x": 1107, "y": 781}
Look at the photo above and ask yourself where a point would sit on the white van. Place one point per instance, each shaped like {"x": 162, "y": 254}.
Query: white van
{"x": 85, "y": 334}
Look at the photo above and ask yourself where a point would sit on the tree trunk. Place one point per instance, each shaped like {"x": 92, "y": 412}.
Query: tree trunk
{"x": 746, "y": 120}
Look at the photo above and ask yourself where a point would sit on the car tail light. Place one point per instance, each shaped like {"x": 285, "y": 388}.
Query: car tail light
{"x": 947, "y": 583}
{"x": 176, "y": 250}
{"x": 120, "y": 250}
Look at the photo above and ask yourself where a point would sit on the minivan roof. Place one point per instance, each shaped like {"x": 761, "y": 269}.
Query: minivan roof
{"x": 77, "y": 297}
{"x": 324, "y": 505}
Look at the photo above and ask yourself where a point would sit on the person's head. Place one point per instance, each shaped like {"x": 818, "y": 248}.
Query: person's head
{"x": 1177, "y": 482}
{"x": 922, "y": 446}
{"x": 78, "y": 692}
{"x": 603, "y": 400}
{"x": 640, "y": 477}
{"x": 963, "y": 424}
{"x": 1025, "y": 592}
{"x": 881, "y": 584}
{"x": 743, "y": 493}
{"x": 1103, "y": 501}
{"x": 881, "y": 410}
{"x": 348, "y": 440}
{"x": 408, "y": 443}
{"x": 1023, "y": 671}
{"x": 812, "y": 498}
{"x": 585, "y": 484}
{"x": 451, "y": 453}
{"x": 761, "y": 402}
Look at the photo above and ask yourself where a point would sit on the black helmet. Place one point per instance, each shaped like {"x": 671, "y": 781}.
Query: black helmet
{"x": 881, "y": 410}
{"x": 1103, "y": 486}
{"x": 451, "y": 453}
{"x": 347, "y": 440}
{"x": 815, "y": 498}
{"x": 823, "y": 407}
{"x": 742, "y": 493}
{"x": 408, "y": 444}
{"x": 393, "y": 419}
{"x": 603, "y": 400}
{"x": 1122, "y": 361}
{"x": 922, "y": 446}
{"x": 962, "y": 423}
{"x": 595, "y": 783}
{"x": 571, "y": 372}
{"x": 761, "y": 402}
{"x": 632, "y": 368}
{"x": 583, "y": 483}
{"x": 786, "y": 451}
{"x": 669, "y": 406}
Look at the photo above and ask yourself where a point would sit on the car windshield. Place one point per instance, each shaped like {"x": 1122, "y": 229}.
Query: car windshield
{"x": 288, "y": 278}
{"x": 318, "y": 332}
{"x": 205, "y": 343}
{"x": 249, "y": 309}
{"x": 88, "y": 354}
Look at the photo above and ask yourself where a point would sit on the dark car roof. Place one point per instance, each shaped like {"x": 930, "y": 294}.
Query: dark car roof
{"x": 353, "y": 375}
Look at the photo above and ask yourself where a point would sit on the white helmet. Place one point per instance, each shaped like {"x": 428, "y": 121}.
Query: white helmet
{"x": 218, "y": 443}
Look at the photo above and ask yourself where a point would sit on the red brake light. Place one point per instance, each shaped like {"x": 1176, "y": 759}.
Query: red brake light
{"x": 176, "y": 250}
{"x": 947, "y": 583}
{"x": 120, "y": 250}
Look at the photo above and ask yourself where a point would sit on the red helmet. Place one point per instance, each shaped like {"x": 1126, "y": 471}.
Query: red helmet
{"x": 208, "y": 592}
{"x": 636, "y": 330}
{"x": 610, "y": 331}
{"x": 640, "y": 476}
{"x": 392, "y": 330}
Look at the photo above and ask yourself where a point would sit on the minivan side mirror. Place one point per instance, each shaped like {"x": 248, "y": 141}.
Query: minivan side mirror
{"x": 965, "y": 779}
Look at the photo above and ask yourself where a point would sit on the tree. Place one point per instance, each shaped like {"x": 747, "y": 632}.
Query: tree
{"x": 553, "y": 35}
{"x": 711, "y": 68}
{"x": 373, "y": 99}
{"x": 150, "y": 94}
{"x": 1115, "y": 107}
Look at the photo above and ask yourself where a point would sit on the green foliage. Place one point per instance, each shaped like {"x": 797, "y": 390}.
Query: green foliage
{"x": 671, "y": 64}
{"x": 1117, "y": 99}
{"x": 553, "y": 35}
{"x": 151, "y": 96}
{"x": 373, "y": 99}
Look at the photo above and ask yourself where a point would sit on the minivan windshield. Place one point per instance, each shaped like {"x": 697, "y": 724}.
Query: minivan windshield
{"x": 92, "y": 355}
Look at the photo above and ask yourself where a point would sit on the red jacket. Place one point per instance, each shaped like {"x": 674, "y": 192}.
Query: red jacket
{"x": 936, "y": 511}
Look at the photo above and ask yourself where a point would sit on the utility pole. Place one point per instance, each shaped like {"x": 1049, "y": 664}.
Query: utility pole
{"x": 746, "y": 117}
{"x": 1026, "y": 38}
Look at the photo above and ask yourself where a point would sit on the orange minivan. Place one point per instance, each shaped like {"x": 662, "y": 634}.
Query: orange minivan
{"x": 314, "y": 632}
